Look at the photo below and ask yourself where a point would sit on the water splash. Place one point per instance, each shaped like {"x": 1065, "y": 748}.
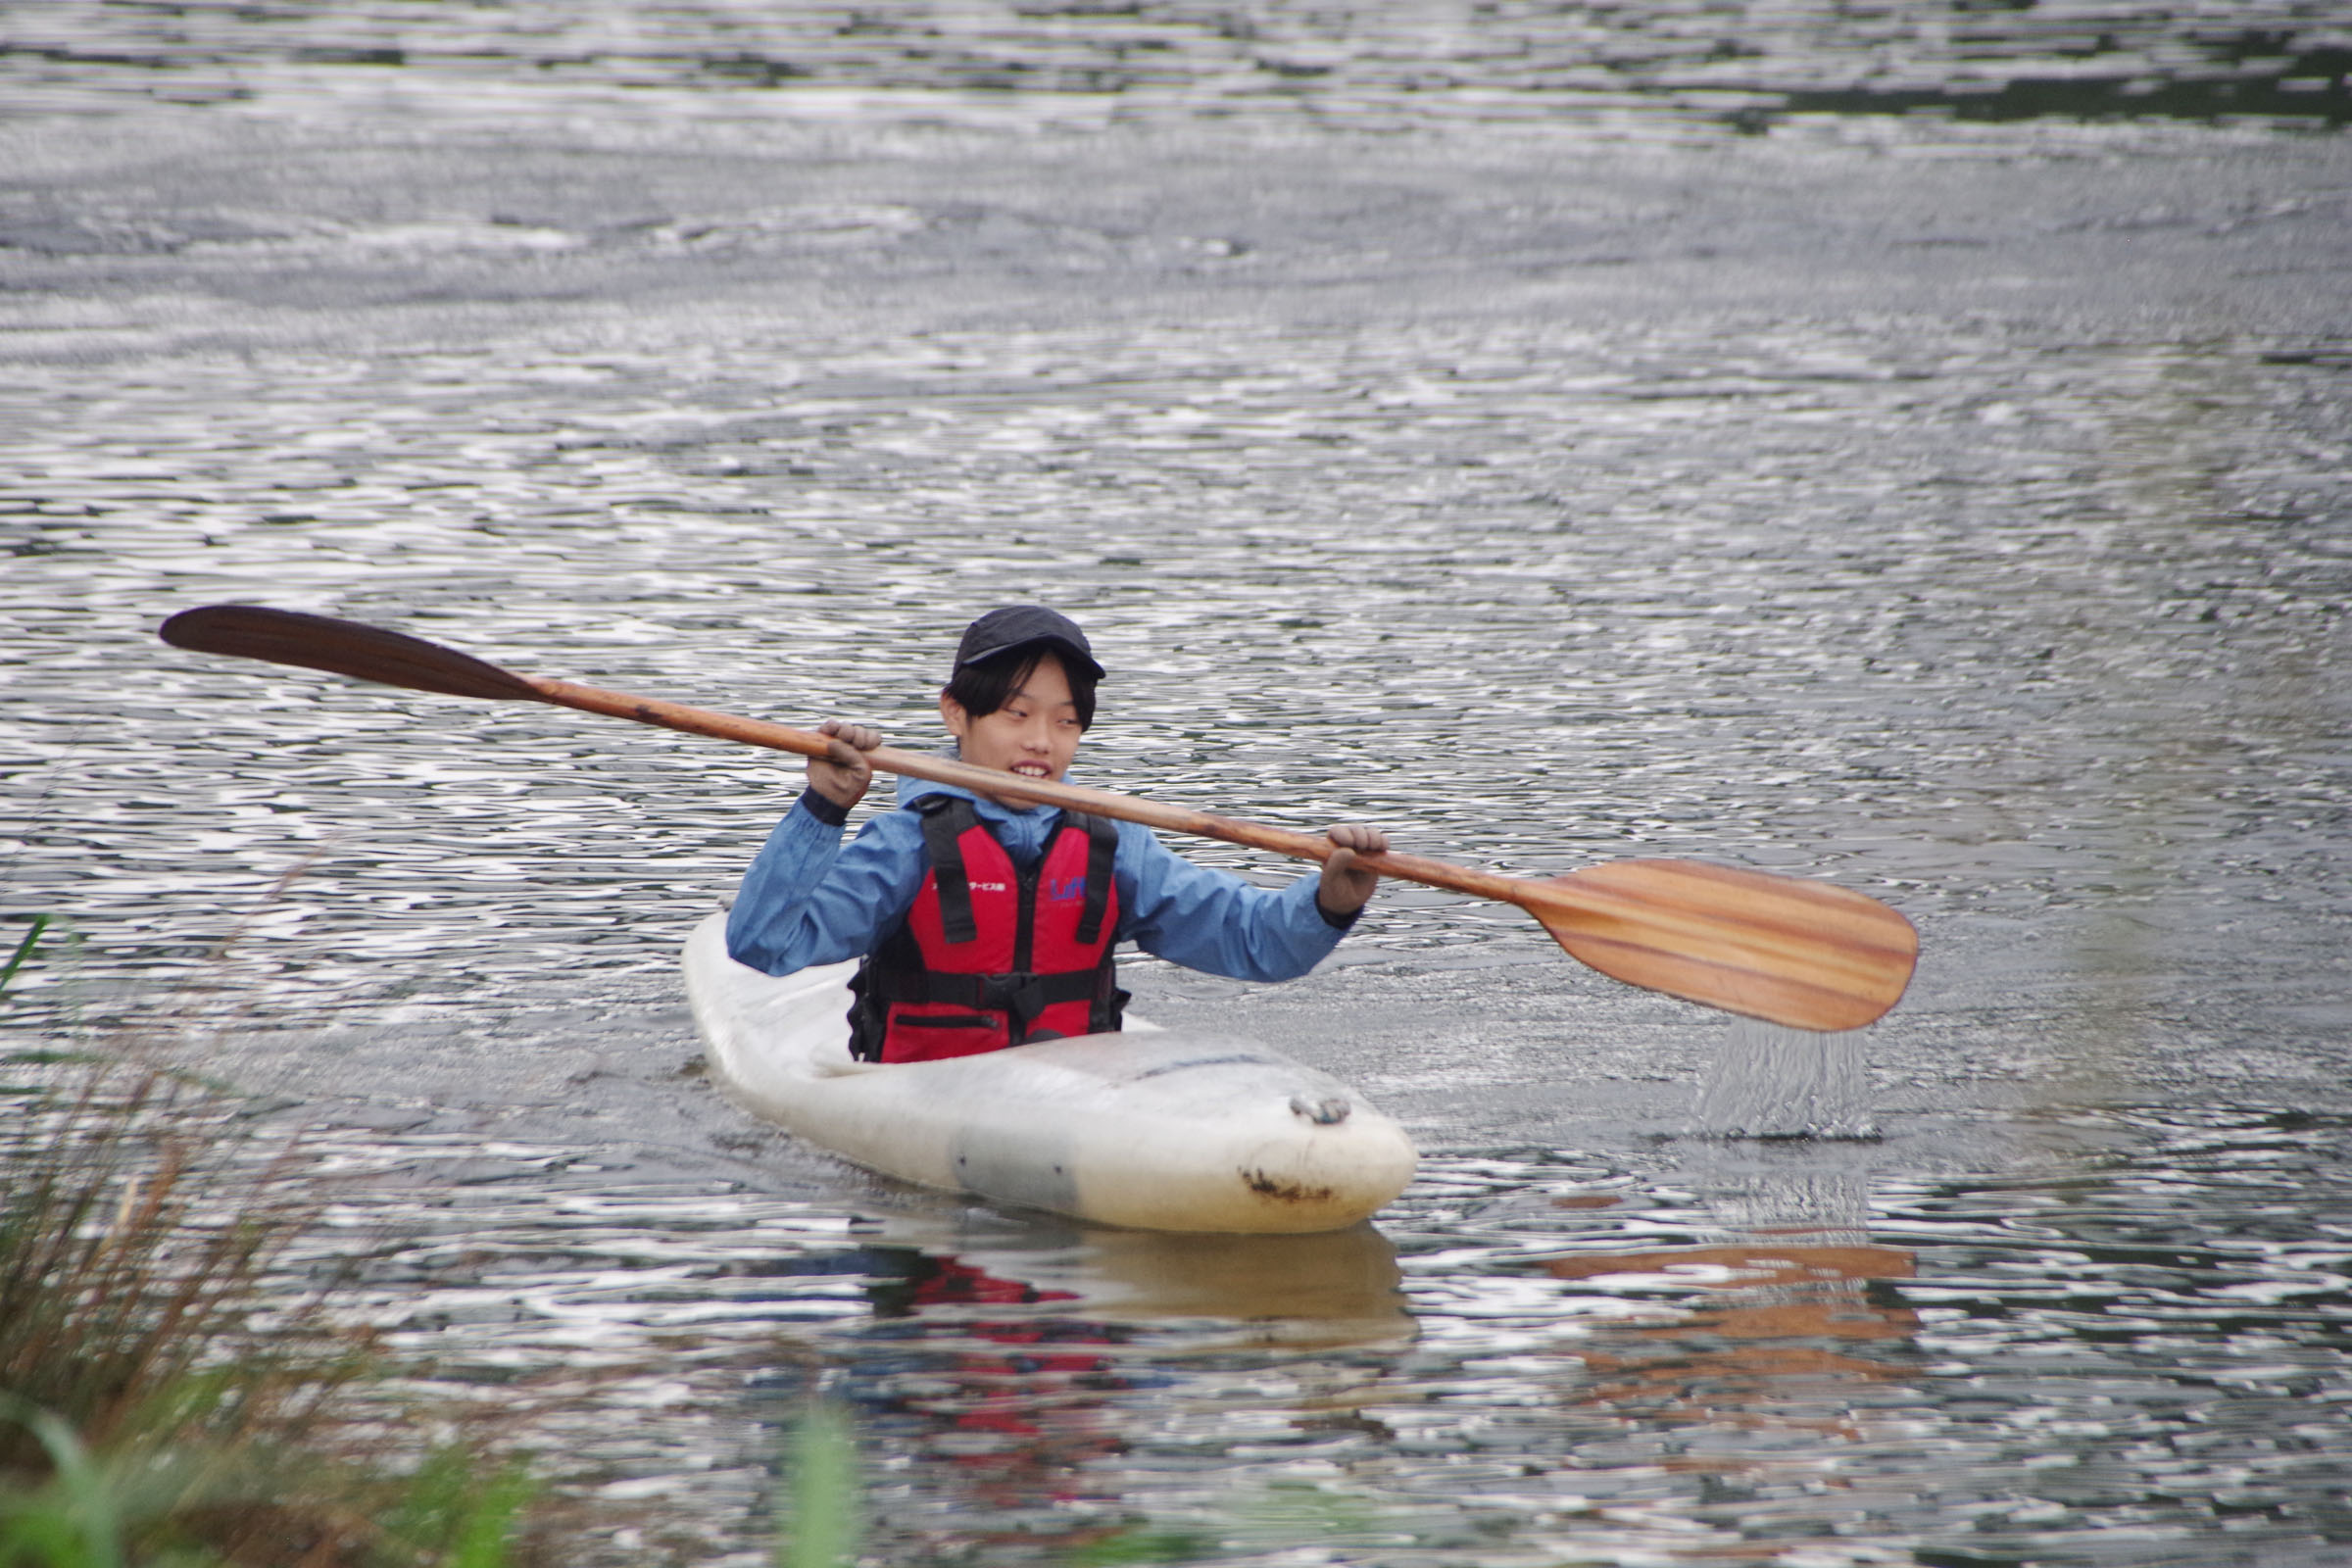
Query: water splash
{"x": 1767, "y": 1081}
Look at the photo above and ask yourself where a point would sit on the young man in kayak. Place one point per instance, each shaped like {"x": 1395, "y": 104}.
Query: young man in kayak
{"x": 985, "y": 924}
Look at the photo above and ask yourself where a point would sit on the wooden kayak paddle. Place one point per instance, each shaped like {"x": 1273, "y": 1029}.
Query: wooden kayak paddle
{"x": 1790, "y": 951}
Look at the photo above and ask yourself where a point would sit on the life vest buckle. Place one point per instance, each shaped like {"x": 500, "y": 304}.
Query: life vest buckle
{"x": 1021, "y": 995}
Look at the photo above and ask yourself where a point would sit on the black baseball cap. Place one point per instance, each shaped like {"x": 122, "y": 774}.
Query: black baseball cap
{"x": 1023, "y": 626}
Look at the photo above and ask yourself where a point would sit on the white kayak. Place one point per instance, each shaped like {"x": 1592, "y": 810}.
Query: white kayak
{"x": 1150, "y": 1128}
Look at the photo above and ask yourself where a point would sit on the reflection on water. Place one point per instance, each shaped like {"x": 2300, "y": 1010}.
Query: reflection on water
{"x": 1003, "y": 1362}
{"x": 1021, "y": 1401}
{"x": 1767, "y": 1351}
{"x": 2135, "y": 1351}
{"x": 1757, "y": 1353}
{"x": 1337, "y": 1288}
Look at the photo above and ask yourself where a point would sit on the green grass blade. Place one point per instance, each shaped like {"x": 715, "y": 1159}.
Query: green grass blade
{"x": 490, "y": 1526}
{"x": 40, "y": 923}
{"x": 827, "y": 1506}
{"x": 74, "y": 1520}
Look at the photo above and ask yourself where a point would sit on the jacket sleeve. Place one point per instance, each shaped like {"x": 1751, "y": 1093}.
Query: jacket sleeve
{"x": 810, "y": 898}
{"x": 1213, "y": 920}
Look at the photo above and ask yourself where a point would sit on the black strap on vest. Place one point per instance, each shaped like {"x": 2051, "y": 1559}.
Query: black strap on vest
{"x": 1101, "y": 850}
{"x": 945, "y": 819}
{"x": 1024, "y": 995}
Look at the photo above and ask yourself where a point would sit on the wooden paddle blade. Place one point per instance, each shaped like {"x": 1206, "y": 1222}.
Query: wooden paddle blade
{"x": 1791, "y": 952}
{"x": 341, "y": 648}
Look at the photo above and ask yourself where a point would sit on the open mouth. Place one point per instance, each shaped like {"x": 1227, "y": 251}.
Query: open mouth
{"x": 1032, "y": 770}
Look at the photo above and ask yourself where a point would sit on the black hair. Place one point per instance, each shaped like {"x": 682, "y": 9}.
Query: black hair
{"x": 985, "y": 685}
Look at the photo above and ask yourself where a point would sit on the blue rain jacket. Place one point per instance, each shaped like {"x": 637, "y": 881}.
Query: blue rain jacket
{"x": 810, "y": 898}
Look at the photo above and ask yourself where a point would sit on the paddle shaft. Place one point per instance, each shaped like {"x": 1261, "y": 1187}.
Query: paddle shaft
{"x": 1592, "y": 911}
{"x": 1014, "y": 788}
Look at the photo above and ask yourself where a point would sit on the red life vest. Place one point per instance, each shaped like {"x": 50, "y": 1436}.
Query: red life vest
{"x": 990, "y": 957}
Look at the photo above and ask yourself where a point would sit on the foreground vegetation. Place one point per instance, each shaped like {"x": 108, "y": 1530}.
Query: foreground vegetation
{"x": 177, "y": 1393}
{"x": 168, "y": 1394}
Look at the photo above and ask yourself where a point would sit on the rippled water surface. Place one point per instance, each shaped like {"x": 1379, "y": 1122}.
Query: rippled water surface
{"x": 1906, "y": 448}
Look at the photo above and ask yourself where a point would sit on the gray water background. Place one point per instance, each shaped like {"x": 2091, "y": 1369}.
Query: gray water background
{"x": 1902, "y": 447}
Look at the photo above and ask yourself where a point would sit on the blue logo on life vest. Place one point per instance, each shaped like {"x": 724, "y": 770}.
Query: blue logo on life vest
{"x": 1063, "y": 888}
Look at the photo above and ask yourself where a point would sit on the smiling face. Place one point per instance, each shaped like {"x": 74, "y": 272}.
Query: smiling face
{"x": 1035, "y": 734}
